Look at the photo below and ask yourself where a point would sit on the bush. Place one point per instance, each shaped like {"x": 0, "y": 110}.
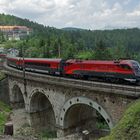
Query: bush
{"x": 4, "y": 113}
{"x": 129, "y": 126}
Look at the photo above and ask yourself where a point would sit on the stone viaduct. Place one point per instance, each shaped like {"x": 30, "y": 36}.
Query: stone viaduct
{"x": 66, "y": 105}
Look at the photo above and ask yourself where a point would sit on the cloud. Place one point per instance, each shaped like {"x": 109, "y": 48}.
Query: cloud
{"x": 126, "y": 2}
{"x": 91, "y": 14}
{"x": 134, "y": 13}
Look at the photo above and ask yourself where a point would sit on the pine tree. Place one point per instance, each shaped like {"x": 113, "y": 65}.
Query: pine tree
{"x": 101, "y": 52}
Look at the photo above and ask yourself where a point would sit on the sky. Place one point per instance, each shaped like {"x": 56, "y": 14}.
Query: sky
{"x": 87, "y": 14}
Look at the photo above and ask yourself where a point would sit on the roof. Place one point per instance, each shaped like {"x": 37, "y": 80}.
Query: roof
{"x": 13, "y": 27}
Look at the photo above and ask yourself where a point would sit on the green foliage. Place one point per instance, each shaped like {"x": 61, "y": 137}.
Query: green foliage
{"x": 101, "y": 52}
{"x": 4, "y": 107}
{"x": 2, "y": 121}
{"x": 129, "y": 126}
{"x": 4, "y": 112}
{"x": 2, "y": 75}
{"x": 102, "y": 125}
{"x": 48, "y": 134}
{"x": 85, "y": 55}
{"x": 2, "y": 39}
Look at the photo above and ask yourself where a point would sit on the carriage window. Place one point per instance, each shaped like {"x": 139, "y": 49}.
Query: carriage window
{"x": 38, "y": 64}
{"x": 68, "y": 64}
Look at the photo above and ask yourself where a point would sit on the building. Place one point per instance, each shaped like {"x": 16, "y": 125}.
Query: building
{"x": 15, "y": 32}
{"x": 13, "y": 52}
{"x": 2, "y": 50}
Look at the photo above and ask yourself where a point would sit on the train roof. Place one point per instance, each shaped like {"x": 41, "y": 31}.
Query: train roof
{"x": 100, "y": 61}
{"x": 43, "y": 59}
{"x": 36, "y": 59}
{"x": 76, "y": 60}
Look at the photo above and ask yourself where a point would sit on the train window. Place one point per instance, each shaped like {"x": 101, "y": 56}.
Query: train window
{"x": 126, "y": 67}
{"x": 38, "y": 64}
{"x": 67, "y": 64}
{"x": 136, "y": 66}
{"x": 28, "y": 63}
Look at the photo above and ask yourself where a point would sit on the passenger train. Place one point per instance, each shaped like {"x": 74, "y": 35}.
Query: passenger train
{"x": 113, "y": 71}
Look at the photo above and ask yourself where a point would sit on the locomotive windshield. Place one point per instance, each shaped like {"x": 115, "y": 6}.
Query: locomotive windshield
{"x": 136, "y": 67}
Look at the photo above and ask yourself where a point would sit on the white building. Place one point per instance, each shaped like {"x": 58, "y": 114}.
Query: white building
{"x": 15, "y": 32}
{"x": 13, "y": 52}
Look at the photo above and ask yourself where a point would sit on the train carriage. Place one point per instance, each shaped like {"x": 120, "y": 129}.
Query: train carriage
{"x": 114, "y": 71}
{"x": 42, "y": 65}
{"x": 50, "y": 66}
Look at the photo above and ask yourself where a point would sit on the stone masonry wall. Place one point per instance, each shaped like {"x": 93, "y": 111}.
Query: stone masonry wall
{"x": 4, "y": 91}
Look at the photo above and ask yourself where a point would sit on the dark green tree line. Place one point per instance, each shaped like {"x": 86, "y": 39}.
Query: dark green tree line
{"x": 49, "y": 42}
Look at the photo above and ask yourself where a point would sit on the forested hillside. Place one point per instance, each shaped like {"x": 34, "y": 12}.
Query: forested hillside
{"x": 74, "y": 43}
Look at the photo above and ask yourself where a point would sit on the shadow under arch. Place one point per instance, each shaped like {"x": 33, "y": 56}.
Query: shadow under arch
{"x": 17, "y": 100}
{"x": 79, "y": 113}
{"x": 42, "y": 115}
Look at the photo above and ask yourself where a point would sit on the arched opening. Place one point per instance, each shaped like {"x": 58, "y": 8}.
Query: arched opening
{"x": 17, "y": 98}
{"x": 86, "y": 117}
{"x": 81, "y": 118}
{"x": 42, "y": 116}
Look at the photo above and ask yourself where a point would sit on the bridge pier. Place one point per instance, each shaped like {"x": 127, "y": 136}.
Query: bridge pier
{"x": 60, "y": 132}
{"x": 42, "y": 120}
{"x": 17, "y": 97}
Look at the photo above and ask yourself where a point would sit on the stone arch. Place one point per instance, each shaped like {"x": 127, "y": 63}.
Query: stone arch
{"x": 42, "y": 116}
{"x": 17, "y": 97}
{"x": 74, "y": 105}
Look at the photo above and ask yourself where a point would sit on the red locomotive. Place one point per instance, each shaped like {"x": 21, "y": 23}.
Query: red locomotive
{"x": 128, "y": 70}
{"x": 110, "y": 70}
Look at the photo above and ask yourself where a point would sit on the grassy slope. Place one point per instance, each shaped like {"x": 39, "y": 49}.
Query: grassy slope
{"x": 129, "y": 126}
{"x": 1, "y": 75}
{"x": 4, "y": 113}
